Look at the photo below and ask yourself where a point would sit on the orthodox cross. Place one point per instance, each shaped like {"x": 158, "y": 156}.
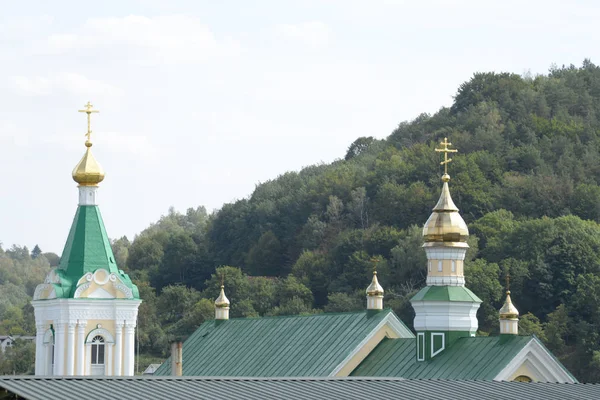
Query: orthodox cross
{"x": 446, "y": 150}
{"x": 508, "y": 282}
{"x": 89, "y": 111}
{"x": 375, "y": 261}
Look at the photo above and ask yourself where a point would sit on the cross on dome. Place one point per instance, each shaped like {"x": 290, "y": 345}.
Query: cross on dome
{"x": 447, "y": 160}
{"x": 89, "y": 110}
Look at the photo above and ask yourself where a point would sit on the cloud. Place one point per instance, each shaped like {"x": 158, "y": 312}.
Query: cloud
{"x": 313, "y": 34}
{"x": 164, "y": 39}
{"x": 69, "y": 83}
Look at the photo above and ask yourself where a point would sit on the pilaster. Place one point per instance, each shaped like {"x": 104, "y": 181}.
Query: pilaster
{"x": 70, "y": 361}
{"x": 118, "y": 348}
{"x": 81, "y": 325}
{"x": 129, "y": 349}
{"x": 40, "y": 362}
{"x": 59, "y": 349}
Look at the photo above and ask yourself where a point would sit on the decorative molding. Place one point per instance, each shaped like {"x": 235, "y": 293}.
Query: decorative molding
{"x": 539, "y": 360}
{"x": 108, "y": 337}
{"x": 124, "y": 289}
{"x": 447, "y": 280}
{"x": 80, "y": 289}
{"x": 420, "y": 345}
{"x": 435, "y": 353}
{"x": 445, "y": 316}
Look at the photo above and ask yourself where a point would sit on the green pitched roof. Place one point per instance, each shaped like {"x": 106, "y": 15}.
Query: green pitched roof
{"x": 312, "y": 345}
{"x": 446, "y": 293}
{"x": 87, "y": 249}
{"x": 481, "y": 358}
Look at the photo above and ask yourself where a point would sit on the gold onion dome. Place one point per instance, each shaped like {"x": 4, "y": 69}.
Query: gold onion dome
{"x": 88, "y": 171}
{"x": 222, "y": 301}
{"x": 375, "y": 288}
{"x": 508, "y": 310}
{"x": 445, "y": 225}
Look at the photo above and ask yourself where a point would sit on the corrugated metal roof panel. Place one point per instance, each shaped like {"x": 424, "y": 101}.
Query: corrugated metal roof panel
{"x": 311, "y": 345}
{"x": 468, "y": 358}
{"x": 175, "y": 388}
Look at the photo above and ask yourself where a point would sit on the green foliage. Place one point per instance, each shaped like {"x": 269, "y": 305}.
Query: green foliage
{"x": 526, "y": 179}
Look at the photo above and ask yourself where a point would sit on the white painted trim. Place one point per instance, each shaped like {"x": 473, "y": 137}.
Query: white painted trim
{"x": 539, "y": 360}
{"x": 445, "y": 316}
{"x": 391, "y": 321}
{"x": 445, "y": 253}
{"x": 446, "y": 280}
{"x": 420, "y": 335}
{"x": 435, "y": 353}
{"x": 108, "y": 337}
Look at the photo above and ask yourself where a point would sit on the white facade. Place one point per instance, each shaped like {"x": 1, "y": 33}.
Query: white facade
{"x": 91, "y": 334}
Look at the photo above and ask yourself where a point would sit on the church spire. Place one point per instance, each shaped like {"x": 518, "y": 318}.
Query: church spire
{"x": 445, "y": 309}
{"x": 509, "y": 315}
{"x": 374, "y": 291}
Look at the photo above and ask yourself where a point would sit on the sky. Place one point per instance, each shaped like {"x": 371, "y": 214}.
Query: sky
{"x": 200, "y": 101}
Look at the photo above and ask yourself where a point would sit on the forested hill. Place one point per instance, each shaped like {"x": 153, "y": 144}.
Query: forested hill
{"x": 526, "y": 180}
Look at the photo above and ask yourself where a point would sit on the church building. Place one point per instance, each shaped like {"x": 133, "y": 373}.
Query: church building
{"x": 375, "y": 342}
{"x": 86, "y": 309}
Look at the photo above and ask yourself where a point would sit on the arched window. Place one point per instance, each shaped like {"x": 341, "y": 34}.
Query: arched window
{"x": 522, "y": 378}
{"x": 98, "y": 350}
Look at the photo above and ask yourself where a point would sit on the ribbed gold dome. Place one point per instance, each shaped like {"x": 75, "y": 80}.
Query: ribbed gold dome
{"x": 222, "y": 301}
{"x": 445, "y": 225}
{"x": 88, "y": 171}
{"x": 375, "y": 288}
{"x": 508, "y": 310}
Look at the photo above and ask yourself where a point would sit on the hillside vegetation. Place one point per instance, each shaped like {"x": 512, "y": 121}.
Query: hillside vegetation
{"x": 526, "y": 179}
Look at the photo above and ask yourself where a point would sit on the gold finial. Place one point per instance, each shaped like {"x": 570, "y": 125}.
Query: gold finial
{"x": 89, "y": 110}
{"x": 88, "y": 171}
{"x": 375, "y": 288}
{"x": 222, "y": 301}
{"x": 447, "y": 160}
{"x": 508, "y": 283}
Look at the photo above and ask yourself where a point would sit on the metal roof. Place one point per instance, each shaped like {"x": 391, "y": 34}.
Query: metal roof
{"x": 312, "y": 345}
{"x": 481, "y": 357}
{"x": 175, "y": 388}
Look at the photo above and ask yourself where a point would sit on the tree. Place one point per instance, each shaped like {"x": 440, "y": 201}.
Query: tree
{"x": 359, "y": 146}
{"x": 36, "y": 252}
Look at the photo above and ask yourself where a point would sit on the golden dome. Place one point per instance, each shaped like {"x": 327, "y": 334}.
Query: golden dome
{"x": 222, "y": 301}
{"x": 375, "y": 288}
{"x": 508, "y": 310}
{"x": 88, "y": 171}
{"x": 445, "y": 225}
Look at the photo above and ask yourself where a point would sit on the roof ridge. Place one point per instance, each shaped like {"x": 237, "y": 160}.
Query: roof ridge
{"x": 322, "y": 314}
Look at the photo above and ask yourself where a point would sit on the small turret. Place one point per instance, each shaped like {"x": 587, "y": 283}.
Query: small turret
{"x": 509, "y": 317}
{"x": 222, "y": 306}
{"x": 374, "y": 294}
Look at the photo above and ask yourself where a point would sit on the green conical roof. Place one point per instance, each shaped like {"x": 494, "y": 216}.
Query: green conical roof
{"x": 87, "y": 250}
{"x": 87, "y": 247}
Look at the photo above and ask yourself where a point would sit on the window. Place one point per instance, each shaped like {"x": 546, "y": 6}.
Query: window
{"x": 97, "y": 350}
{"x": 522, "y": 378}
